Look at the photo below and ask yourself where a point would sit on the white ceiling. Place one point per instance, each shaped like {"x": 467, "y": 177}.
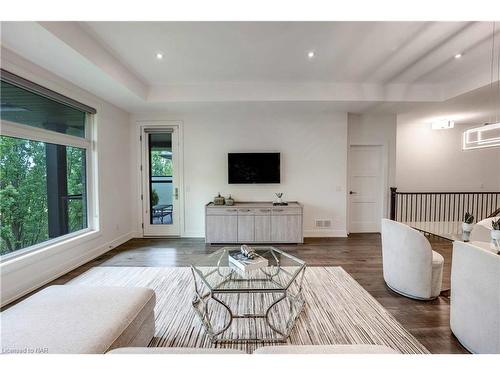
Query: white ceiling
{"x": 358, "y": 52}
{"x": 383, "y": 66}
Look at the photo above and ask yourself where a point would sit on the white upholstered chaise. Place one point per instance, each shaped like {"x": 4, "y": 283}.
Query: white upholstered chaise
{"x": 410, "y": 266}
{"x": 79, "y": 320}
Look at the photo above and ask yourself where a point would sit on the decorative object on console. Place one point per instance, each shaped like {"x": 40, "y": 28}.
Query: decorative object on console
{"x": 246, "y": 259}
{"x": 279, "y": 200}
{"x": 495, "y": 235}
{"x": 229, "y": 201}
{"x": 219, "y": 200}
{"x": 467, "y": 226}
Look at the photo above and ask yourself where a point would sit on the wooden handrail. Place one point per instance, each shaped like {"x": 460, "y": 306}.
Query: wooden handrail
{"x": 495, "y": 213}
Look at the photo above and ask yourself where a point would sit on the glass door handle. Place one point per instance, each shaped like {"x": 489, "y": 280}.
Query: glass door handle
{"x": 176, "y": 193}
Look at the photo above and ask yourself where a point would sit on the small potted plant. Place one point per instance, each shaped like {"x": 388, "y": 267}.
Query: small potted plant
{"x": 467, "y": 226}
{"x": 495, "y": 234}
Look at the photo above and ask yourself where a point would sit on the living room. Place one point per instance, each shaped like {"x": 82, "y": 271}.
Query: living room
{"x": 293, "y": 186}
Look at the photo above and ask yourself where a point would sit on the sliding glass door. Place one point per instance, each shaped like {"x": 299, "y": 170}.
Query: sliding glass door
{"x": 160, "y": 182}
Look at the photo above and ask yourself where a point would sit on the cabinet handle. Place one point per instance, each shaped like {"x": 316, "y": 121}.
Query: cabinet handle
{"x": 278, "y": 210}
{"x": 246, "y": 210}
{"x": 232, "y": 210}
{"x": 266, "y": 210}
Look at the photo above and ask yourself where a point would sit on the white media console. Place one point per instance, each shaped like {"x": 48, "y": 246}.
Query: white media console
{"x": 254, "y": 222}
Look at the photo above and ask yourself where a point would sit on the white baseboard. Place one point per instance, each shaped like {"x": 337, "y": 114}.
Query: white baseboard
{"x": 193, "y": 235}
{"x": 307, "y": 233}
{"x": 325, "y": 233}
{"x": 56, "y": 272}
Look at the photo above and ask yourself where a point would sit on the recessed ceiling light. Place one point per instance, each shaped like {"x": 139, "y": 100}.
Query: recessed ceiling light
{"x": 159, "y": 55}
{"x": 458, "y": 55}
{"x": 311, "y": 54}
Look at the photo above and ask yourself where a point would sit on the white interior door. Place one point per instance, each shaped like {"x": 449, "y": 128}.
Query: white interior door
{"x": 160, "y": 175}
{"x": 365, "y": 185}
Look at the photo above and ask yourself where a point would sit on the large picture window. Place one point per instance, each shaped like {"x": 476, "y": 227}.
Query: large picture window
{"x": 44, "y": 151}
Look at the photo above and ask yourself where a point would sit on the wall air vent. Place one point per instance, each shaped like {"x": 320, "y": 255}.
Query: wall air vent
{"x": 323, "y": 224}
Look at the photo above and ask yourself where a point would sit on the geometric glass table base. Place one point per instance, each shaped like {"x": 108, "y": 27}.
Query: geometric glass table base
{"x": 259, "y": 306}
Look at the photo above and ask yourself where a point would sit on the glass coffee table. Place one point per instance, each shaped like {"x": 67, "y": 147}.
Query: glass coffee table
{"x": 256, "y": 306}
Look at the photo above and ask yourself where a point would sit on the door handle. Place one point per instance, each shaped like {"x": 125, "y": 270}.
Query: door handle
{"x": 353, "y": 192}
{"x": 176, "y": 193}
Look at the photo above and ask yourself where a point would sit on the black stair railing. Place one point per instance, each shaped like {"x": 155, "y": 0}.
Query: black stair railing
{"x": 442, "y": 206}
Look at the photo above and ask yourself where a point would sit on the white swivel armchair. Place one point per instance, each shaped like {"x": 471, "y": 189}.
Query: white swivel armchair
{"x": 475, "y": 298}
{"x": 481, "y": 230}
{"x": 411, "y": 267}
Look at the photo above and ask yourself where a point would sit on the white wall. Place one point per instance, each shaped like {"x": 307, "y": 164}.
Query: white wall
{"x": 28, "y": 272}
{"x": 313, "y": 145}
{"x": 377, "y": 129}
{"x": 433, "y": 160}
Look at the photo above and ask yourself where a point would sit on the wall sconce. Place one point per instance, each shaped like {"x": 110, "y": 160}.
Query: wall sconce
{"x": 443, "y": 124}
{"x": 484, "y": 136}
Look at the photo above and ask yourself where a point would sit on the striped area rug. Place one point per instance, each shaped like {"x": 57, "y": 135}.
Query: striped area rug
{"x": 337, "y": 311}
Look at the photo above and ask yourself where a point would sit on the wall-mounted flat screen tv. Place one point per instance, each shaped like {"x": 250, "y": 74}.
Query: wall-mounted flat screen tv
{"x": 254, "y": 168}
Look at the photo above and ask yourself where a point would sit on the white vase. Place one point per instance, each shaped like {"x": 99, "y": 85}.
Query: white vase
{"x": 495, "y": 234}
{"x": 495, "y": 239}
{"x": 466, "y": 229}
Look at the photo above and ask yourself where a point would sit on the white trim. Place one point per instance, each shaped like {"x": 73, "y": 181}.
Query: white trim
{"x": 193, "y": 235}
{"x": 69, "y": 266}
{"x": 16, "y": 130}
{"x": 47, "y": 245}
{"x": 325, "y": 233}
{"x": 48, "y": 249}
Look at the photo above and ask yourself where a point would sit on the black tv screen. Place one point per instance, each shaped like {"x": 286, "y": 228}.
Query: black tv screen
{"x": 254, "y": 168}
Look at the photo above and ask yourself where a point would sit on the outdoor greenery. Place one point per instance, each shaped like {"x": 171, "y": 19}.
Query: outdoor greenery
{"x": 468, "y": 219}
{"x": 495, "y": 224}
{"x": 23, "y": 192}
{"x": 160, "y": 166}
{"x": 154, "y": 198}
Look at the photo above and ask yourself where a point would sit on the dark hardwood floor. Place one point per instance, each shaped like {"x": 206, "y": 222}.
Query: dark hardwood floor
{"x": 359, "y": 254}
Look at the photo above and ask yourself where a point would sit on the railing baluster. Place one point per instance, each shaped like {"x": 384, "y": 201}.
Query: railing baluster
{"x": 442, "y": 206}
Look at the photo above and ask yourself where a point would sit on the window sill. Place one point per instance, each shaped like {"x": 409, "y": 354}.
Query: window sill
{"x": 49, "y": 248}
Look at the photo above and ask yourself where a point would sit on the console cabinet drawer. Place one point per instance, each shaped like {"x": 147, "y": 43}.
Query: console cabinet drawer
{"x": 222, "y": 211}
{"x": 263, "y": 211}
{"x": 283, "y": 210}
{"x": 246, "y": 211}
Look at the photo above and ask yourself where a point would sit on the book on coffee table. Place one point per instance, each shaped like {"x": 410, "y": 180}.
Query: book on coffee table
{"x": 244, "y": 263}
